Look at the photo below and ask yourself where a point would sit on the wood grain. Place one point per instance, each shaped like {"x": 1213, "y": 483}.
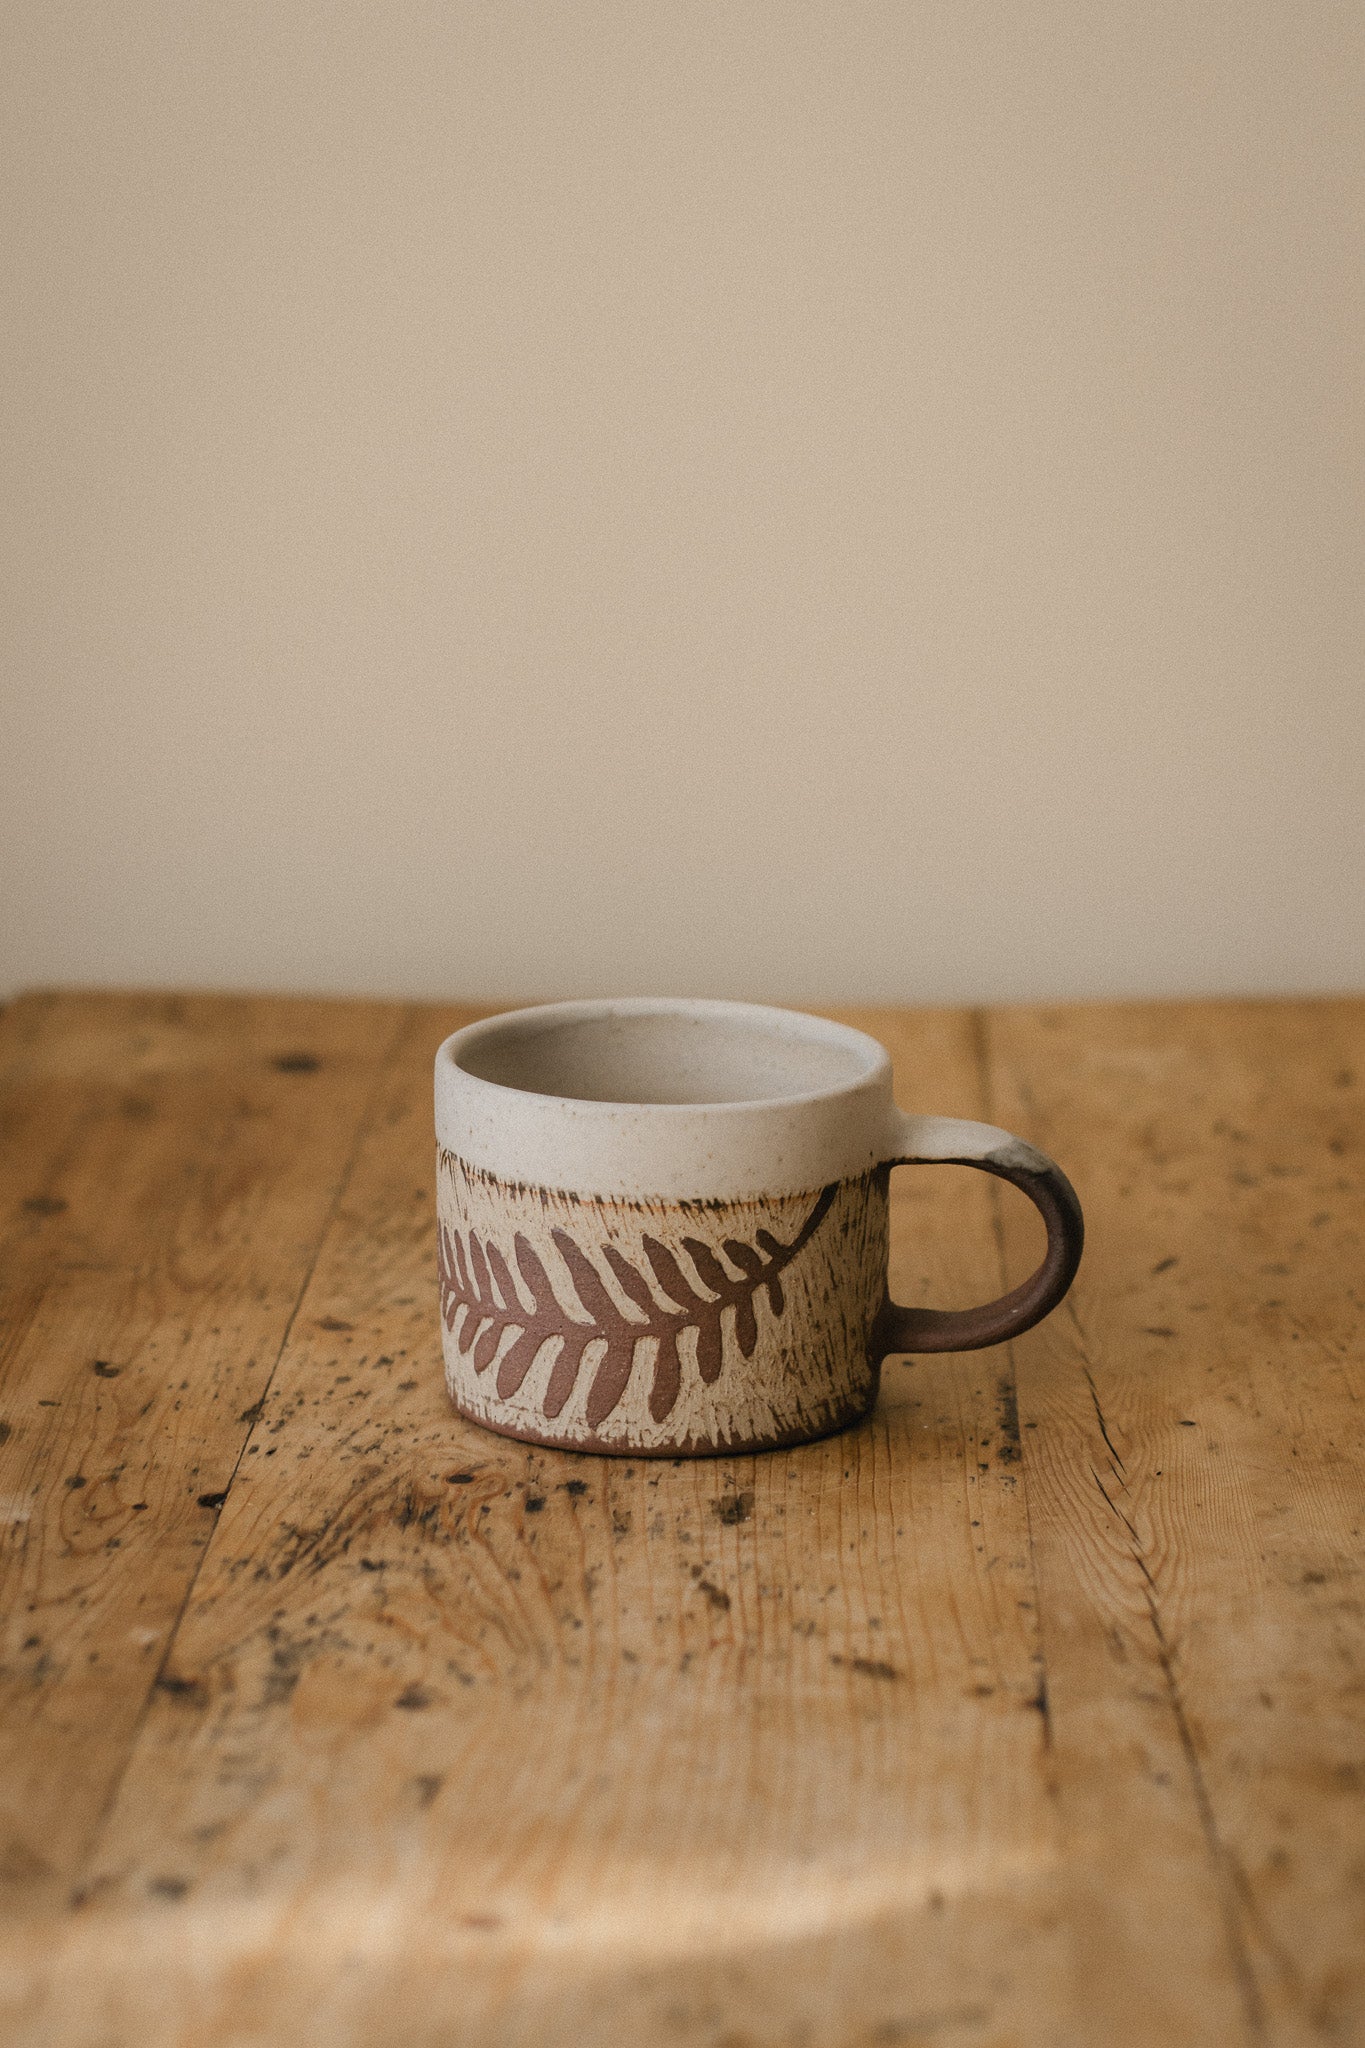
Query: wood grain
{"x": 170, "y": 1166}
{"x": 1028, "y": 1712}
{"x": 1195, "y": 1454}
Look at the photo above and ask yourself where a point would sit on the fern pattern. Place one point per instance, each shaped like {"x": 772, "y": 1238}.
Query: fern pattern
{"x": 481, "y": 1300}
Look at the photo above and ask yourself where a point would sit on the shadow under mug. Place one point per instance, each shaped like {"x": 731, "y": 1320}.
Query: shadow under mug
{"x": 663, "y": 1225}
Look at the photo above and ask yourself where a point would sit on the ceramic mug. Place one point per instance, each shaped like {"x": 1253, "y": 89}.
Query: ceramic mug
{"x": 663, "y": 1230}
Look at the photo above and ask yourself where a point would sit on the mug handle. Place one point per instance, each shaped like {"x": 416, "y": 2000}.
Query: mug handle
{"x": 953, "y": 1141}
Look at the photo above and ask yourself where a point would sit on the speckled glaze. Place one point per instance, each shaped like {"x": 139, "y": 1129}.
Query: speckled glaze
{"x": 662, "y": 1225}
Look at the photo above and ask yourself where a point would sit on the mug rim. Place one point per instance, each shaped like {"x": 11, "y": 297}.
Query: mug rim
{"x": 793, "y": 1024}
{"x": 721, "y": 1150}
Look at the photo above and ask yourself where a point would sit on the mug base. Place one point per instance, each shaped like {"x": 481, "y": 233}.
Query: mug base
{"x": 593, "y": 1446}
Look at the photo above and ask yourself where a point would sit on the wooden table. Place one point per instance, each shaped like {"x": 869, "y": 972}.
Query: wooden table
{"x": 1031, "y": 1711}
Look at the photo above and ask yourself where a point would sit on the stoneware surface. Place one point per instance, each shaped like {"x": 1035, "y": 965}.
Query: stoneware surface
{"x": 662, "y": 1225}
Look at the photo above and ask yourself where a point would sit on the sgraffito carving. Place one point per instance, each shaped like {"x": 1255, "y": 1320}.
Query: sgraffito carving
{"x": 482, "y": 1300}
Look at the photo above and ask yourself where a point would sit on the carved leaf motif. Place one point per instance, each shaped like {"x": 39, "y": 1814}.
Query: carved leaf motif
{"x": 476, "y": 1278}
{"x": 502, "y": 1278}
{"x": 707, "y": 1264}
{"x": 633, "y": 1284}
{"x": 667, "y": 1377}
{"x": 669, "y": 1274}
{"x": 609, "y": 1381}
{"x": 564, "y": 1372}
{"x": 517, "y": 1362}
{"x": 710, "y": 1351}
{"x": 587, "y": 1285}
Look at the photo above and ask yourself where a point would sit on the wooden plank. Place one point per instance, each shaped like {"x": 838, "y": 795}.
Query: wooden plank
{"x": 1195, "y": 1462}
{"x": 169, "y": 1167}
{"x": 467, "y": 1742}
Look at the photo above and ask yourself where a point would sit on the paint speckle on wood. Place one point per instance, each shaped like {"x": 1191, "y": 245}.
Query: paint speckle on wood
{"x": 957, "y": 1730}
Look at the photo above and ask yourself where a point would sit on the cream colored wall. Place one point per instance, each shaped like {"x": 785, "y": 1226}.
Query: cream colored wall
{"x": 787, "y": 499}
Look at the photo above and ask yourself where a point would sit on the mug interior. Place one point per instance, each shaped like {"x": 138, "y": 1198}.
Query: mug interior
{"x": 679, "y": 1053}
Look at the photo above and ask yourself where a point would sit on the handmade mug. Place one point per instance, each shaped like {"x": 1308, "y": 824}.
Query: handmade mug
{"x": 663, "y": 1232}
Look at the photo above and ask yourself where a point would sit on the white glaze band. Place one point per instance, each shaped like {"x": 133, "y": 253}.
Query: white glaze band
{"x": 802, "y": 1102}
